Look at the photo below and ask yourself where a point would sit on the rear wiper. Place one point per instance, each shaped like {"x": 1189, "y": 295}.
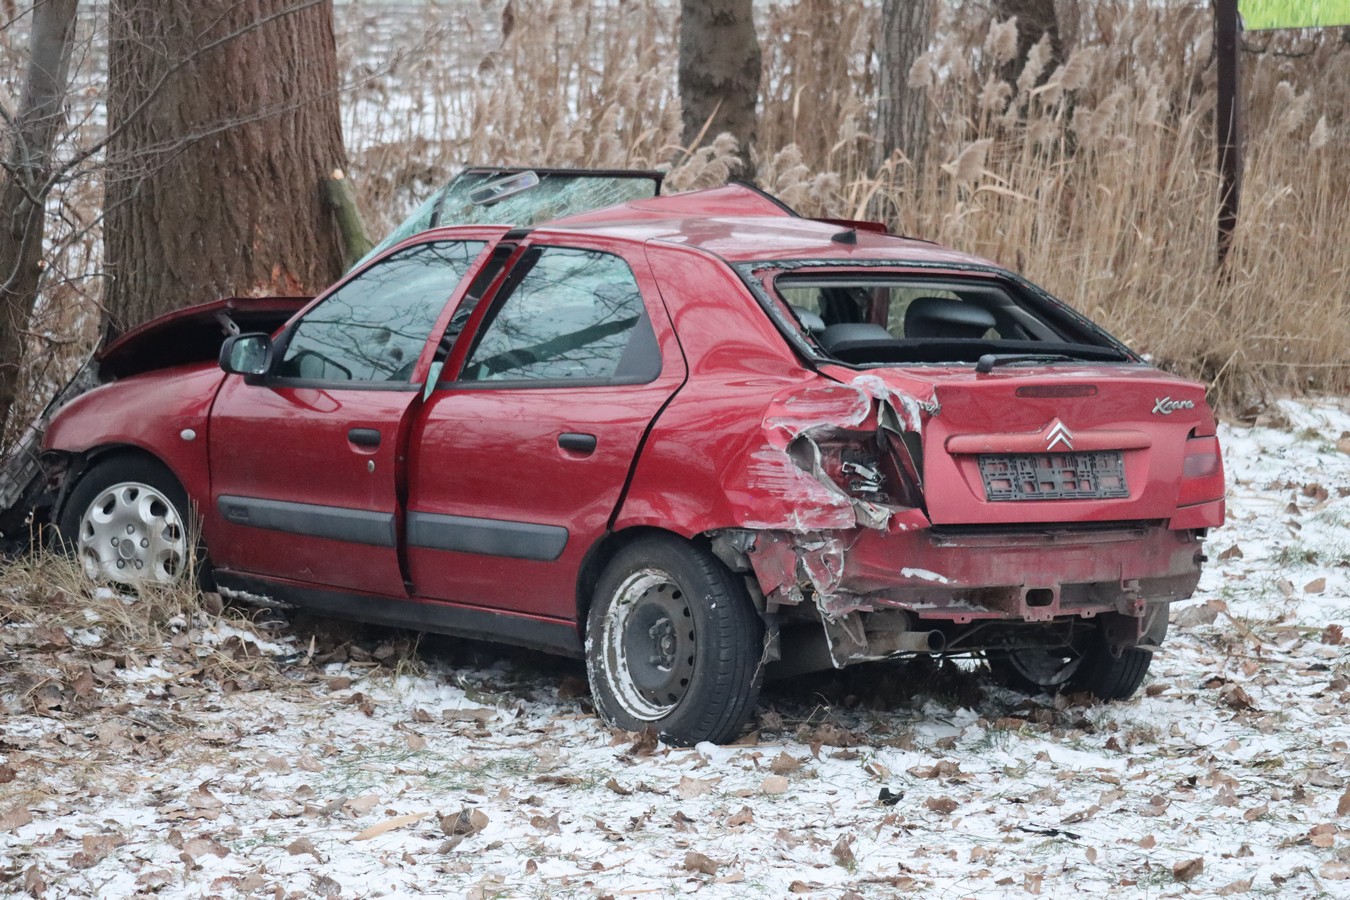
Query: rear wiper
{"x": 986, "y": 363}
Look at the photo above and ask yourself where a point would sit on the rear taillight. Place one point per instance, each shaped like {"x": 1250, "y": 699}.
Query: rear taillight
{"x": 867, "y": 470}
{"x": 1201, "y": 472}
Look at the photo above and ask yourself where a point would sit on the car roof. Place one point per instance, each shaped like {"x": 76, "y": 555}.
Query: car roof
{"x": 741, "y": 224}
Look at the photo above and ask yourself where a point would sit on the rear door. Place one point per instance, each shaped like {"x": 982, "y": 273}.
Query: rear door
{"x": 305, "y": 465}
{"x": 518, "y": 460}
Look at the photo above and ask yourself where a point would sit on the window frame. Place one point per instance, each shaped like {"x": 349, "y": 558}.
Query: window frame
{"x": 519, "y": 269}
{"x": 282, "y": 343}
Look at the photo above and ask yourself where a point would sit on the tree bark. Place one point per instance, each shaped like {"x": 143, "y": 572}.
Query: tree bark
{"x": 1035, "y": 19}
{"x": 224, "y": 125}
{"x": 25, "y": 184}
{"x": 902, "y": 111}
{"x": 719, "y": 72}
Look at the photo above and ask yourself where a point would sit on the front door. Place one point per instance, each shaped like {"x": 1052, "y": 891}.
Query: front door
{"x": 305, "y": 464}
{"x": 517, "y": 463}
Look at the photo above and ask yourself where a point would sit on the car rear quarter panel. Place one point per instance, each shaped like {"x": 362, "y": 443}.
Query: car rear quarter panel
{"x": 153, "y": 412}
{"x": 690, "y": 477}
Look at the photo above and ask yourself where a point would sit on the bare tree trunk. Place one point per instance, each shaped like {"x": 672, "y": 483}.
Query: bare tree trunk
{"x": 225, "y": 124}
{"x": 902, "y": 111}
{"x": 26, "y": 184}
{"x": 719, "y": 72}
{"x": 1035, "y": 19}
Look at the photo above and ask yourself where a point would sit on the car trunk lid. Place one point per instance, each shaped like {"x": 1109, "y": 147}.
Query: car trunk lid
{"x": 1050, "y": 443}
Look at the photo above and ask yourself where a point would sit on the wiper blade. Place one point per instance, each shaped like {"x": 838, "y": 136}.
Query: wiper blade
{"x": 988, "y": 361}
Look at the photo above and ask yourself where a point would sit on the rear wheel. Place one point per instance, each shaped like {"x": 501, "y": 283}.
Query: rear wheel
{"x": 1086, "y": 665}
{"x": 673, "y": 643}
{"x": 125, "y": 521}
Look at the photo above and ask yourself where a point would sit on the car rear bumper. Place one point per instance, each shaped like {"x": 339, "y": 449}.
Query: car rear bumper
{"x": 962, "y": 575}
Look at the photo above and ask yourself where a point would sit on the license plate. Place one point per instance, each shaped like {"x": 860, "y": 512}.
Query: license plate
{"x": 1054, "y": 476}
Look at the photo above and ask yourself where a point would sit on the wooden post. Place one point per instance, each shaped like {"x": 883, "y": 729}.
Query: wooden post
{"x": 337, "y": 191}
{"x": 1228, "y": 121}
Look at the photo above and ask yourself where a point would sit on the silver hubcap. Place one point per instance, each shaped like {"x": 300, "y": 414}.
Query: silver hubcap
{"x": 648, "y": 641}
{"x": 131, "y": 533}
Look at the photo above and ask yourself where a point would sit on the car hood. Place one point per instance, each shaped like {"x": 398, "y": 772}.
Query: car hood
{"x": 193, "y": 334}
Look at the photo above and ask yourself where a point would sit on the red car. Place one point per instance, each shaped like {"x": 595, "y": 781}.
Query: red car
{"x": 693, "y": 438}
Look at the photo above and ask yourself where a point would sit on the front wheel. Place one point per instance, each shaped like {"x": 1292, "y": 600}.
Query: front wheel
{"x": 673, "y": 643}
{"x": 125, "y": 522}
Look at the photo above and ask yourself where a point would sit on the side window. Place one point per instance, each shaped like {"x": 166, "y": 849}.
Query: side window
{"x": 374, "y": 327}
{"x": 574, "y": 315}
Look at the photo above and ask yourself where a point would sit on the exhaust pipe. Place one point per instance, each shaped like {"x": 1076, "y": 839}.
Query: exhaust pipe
{"x": 886, "y": 643}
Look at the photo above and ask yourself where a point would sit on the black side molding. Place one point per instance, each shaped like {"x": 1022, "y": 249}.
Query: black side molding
{"x": 358, "y": 526}
{"x": 491, "y": 537}
{"x": 550, "y": 635}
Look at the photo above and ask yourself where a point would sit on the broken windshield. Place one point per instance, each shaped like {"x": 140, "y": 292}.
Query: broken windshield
{"x": 521, "y": 197}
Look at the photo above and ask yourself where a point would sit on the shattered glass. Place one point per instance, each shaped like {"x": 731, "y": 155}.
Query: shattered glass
{"x": 556, "y": 194}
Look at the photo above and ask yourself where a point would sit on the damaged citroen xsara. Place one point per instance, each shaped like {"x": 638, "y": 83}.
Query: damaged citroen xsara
{"x": 697, "y": 439}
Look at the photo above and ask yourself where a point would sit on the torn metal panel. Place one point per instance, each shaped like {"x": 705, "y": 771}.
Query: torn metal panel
{"x": 800, "y": 476}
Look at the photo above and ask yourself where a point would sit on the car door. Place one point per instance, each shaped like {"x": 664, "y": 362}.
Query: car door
{"x": 305, "y": 463}
{"x": 518, "y": 462}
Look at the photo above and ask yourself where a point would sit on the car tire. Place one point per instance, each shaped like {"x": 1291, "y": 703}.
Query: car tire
{"x": 673, "y": 643}
{"x": 1090, "y": 668}
{"x": 125, "y": 521}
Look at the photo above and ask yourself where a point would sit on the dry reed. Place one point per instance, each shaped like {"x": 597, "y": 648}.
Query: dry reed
{"x": 1095, "y": 178}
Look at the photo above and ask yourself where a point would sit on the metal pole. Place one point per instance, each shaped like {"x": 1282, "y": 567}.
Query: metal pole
{"x": 1228, "y": 121}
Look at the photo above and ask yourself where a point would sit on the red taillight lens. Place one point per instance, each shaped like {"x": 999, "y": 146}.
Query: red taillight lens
{"x": 1201, "y": 472}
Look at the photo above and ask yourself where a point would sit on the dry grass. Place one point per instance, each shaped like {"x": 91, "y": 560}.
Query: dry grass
{"x": 1095, "y": 178}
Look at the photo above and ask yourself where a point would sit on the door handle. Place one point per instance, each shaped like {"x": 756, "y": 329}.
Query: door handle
{"x": 581, "y": 443}
{"x": 364, "y": 437}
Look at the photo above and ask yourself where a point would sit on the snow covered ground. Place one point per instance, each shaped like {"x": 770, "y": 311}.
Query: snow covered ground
{"x": 481, "y": 772}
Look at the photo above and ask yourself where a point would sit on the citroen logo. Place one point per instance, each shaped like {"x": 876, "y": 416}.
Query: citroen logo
{"x": 1058, "y": 434}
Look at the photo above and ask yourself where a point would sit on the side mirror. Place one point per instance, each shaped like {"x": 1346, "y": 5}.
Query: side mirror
{"x": 246, "y": 354}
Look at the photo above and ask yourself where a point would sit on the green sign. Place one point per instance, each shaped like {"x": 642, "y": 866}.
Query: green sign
{"x": 1264, "y": 14}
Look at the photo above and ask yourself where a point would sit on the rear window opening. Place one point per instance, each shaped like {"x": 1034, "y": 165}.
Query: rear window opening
{"x": 875, "y": 317}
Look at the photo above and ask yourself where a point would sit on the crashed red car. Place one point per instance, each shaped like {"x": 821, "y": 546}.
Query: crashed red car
{"x": 696, "y": 439}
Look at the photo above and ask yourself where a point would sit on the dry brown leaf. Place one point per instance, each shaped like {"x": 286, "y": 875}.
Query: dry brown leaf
{"x": 617, "y": 788}
{"x": 1235, "y": 888}
{"x": 941, "y": 805}
{"x": 1233, "y": 552}
{"x": 1256, "y": 812}
{"x": 1188, "y": 869}
{"x": 15, "y": 817}
{"x": 1148, "y": 842}
{"x": 303, "y": 845}
{"x": 466, "y": 822}
{"x": 784, "y": 764}
{"x": 697, "y": 862}
{"x": 33, "y": 883}
{"x": 199, "y": 847}
{"x": 689, "y": 788}
{"x": 380, "y": 828}
{"x": 774, "y": 784}
{"x": 843, "y": 852}
{"x": 1334, "y": 870}
{"x": 1235, "y": 697}
{"x": 744, "y": 817}
{"x": 359, "y": 806}
{"x": 1343, "y": 804}
{"x": 548, "y": 825}
{"x": 1316, "y": 586}
{"x": 475, "y": 714}
{"x": 1333, "y": 634}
